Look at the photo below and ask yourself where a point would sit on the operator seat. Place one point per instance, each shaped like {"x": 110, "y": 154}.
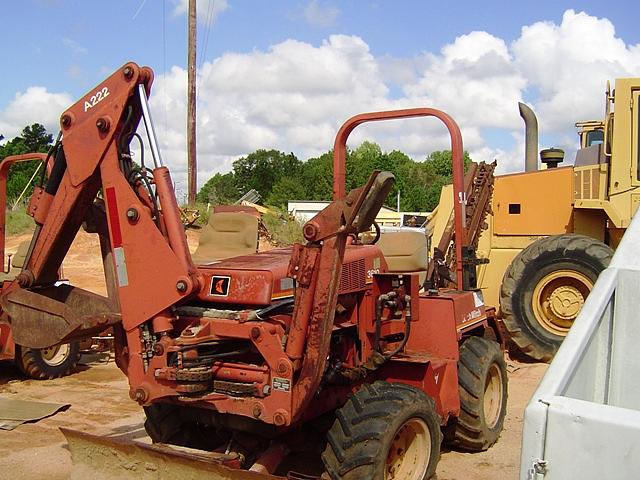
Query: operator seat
{"x": 405, "y": 252}
{"x": 227, "y": 234}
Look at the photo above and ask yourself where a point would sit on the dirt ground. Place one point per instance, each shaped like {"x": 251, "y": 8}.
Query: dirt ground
{"x": 98, "y": 394}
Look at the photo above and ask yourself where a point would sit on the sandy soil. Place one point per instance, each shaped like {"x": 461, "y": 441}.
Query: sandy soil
{"x": 98, "y": 394}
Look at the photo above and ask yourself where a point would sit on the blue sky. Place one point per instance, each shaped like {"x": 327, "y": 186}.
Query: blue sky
{"x": 285, "y": 74}
{"x": 66, "y": 45}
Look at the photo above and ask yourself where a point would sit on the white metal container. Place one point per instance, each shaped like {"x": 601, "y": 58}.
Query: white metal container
{"x": 583, "y": 421}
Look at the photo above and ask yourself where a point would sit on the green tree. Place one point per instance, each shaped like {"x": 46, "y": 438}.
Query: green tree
{"x": 361, "y": 162}
{"x": 285, "y": 189}
{"x": 279, "y": 177}
{"x": 261, "y": 169}
{"x": 33, "y": 138}
{"x": 439, "y": 162}
{"x": 36, "y": 138}
{"x": 219, "y": 189}
{"x": 438, "y": 166}
{"x": 402, "y": 167}
{"x": 317, "y": 177}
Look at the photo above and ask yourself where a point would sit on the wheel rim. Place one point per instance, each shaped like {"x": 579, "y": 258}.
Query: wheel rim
{"x": 557, "y": 299}
{"x": 410, "y": 451}
{"x": 56, "y": 355}
{"x": 493, "y": 393}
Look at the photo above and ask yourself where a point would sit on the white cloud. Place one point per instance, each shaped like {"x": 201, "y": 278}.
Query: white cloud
{"x": 292, "y": 97}
{"x": 569, "y": 64}
{"x": 320, "y": 15}
{"x": 473, "y": 79}
{"x": 207, "y": 11}
{"x": 36, "y": 104}
{"x": 295, "y": 95}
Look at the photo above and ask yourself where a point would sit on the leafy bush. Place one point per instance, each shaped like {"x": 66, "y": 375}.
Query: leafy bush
{"x": 203, "y": 219}
{"x": 284, "y": 229}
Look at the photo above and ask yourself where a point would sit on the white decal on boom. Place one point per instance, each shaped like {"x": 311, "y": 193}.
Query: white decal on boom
{"x": 96, "y": 98}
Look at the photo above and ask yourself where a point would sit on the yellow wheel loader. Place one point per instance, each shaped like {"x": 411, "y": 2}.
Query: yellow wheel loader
{"x": 552, "y": 231}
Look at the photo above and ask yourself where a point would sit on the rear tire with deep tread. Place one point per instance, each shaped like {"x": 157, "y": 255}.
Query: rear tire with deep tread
{"x": 482, "y": 380}
{"x": 48, "y": 363}
{"x": 379, "y": 426}
{"x": 531, "y": 299}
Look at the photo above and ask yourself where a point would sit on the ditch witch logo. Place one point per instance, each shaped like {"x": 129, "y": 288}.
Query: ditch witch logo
{"x": 220, "y": 286}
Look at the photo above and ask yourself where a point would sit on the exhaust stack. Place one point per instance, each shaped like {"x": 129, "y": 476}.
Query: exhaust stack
{"x": 531, "y": 137}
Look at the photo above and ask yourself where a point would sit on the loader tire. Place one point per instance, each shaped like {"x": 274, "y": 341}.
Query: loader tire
{"x": 545, "y": 287}
{"x": 48, "y": 363}
{"x": 385, "y": 431}
{"x": 174, "y": 425}
{"x": 482, "y": 383}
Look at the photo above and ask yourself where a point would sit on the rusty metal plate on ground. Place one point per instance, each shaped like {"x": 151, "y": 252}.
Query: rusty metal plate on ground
{"x": 14, "y": 412}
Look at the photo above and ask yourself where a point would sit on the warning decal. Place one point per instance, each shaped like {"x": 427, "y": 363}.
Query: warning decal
{"x": 282, "y": 384}
{"x": 220, "y": 286}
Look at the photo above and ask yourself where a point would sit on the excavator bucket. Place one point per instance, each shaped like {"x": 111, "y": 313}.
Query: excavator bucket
{"x": 103, "y": 458}
{"x": 57, "y": 314}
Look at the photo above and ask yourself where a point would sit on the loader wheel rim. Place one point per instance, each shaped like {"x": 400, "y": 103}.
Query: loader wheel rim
{"x": 409, "y": 452}
{"x": 493, "y": 393}
{"x": 558, "y": 298}
{"x": 56, "y": 355}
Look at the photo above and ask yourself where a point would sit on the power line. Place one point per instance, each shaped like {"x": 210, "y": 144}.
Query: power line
{"x": 208, "y": 28}
{"x": 209, "y": 21}
{"x": 139, "y": 9}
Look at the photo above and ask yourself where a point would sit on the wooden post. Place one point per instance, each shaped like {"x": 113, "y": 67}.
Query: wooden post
{"x": 192, "y": 169}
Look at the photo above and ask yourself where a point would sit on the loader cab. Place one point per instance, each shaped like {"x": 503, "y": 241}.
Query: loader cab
{"x": 591, "y": 133}
{"x": 607, "y": 165}
{"x": 621, "y": 147}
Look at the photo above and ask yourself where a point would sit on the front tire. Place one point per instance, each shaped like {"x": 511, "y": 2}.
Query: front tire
{"x": 482, "y": 380}
{"x": 387, "y": 431}
{"x": 48, "y": 363}
{"x": 545, "y": 287}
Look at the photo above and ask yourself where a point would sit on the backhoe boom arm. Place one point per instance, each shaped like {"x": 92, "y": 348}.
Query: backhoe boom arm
{"x": 94, "y": 169}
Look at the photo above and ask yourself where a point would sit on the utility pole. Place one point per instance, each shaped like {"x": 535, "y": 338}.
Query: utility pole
{"x": 192, "y": 169}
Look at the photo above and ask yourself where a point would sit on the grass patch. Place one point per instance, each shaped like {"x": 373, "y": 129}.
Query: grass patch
{"x": 18, "y": 222}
